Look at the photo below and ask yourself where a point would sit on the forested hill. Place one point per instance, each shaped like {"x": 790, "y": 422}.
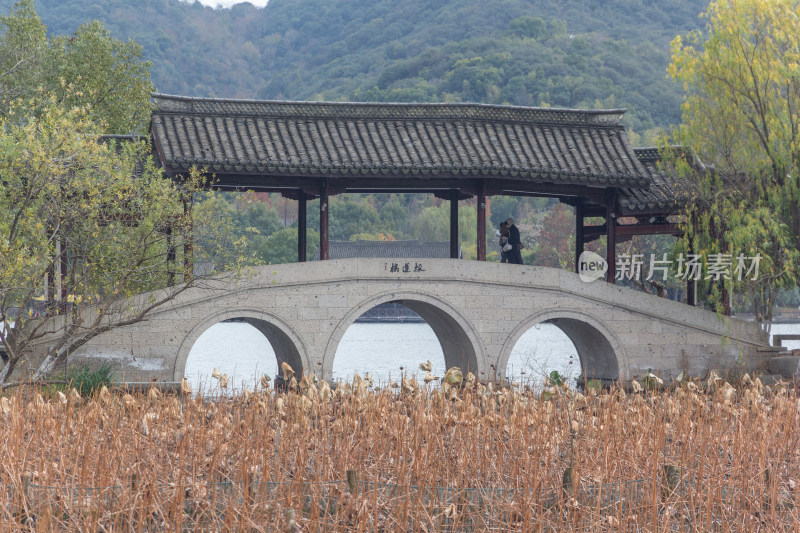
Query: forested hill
{"x": 570, "y": 53}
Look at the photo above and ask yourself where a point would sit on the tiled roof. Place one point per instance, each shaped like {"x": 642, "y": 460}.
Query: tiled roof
{"x": 667, "y": 192}
{"x": 566, "y": 146}
{"x": 388, "y": 249}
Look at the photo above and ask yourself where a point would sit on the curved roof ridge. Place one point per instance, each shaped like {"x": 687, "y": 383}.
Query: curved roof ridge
{"x": 166, "y": 103}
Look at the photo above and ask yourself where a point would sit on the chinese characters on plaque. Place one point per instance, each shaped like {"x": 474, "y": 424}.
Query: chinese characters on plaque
{"x": 403, "y": 268}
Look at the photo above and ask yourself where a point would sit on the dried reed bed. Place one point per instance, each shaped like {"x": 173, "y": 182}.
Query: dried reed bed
{"x": 466, "y": 459}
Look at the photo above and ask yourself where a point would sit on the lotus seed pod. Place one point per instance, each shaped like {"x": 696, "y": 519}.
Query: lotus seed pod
{"x": 324, "y": 392}
{"x": 5, "y": 405}
{"x": 105, "y": 396}
{"x": 128, "y": 402}
{"x": 453, "y": 376}
{"x": 287, "y": 371}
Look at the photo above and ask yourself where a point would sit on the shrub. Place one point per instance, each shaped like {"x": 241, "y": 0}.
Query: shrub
{"x": 87, "y": 380}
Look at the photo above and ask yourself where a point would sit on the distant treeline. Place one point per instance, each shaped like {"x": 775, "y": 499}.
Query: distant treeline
{"x": 560, "y": 53}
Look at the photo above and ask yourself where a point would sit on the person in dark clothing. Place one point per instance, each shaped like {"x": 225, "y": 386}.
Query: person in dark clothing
{"x": 504, "y": 246}
{"x": 515, "y": 254}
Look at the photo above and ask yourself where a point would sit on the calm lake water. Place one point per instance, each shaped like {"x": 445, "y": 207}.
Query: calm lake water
{"x": 244, "y": 354}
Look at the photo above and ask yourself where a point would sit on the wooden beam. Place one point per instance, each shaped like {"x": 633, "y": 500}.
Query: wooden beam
{"x": 649, "y": 229}
{"x": 611, "y": 239}
{"x": 579, "y": 237}
{"x": 626, "y": 231}
{"x": 454, "y": 194}
{"x": 440, "y": 182}
{"x": 324, "y": 250}
{"x": 592, "y": 233}
{"x": 444, "y": 195}
{"x": 481, "y": 207}
{"x": 507, "y": 187}
{"x": 662, "y": 212}
{"x": 594, "y": 211}
{"x": 302, "y": 229}
{"x": 294, "y": 194}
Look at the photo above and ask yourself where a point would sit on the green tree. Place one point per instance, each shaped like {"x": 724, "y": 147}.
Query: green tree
{"x": 86, "y": 226}
{"x": 251, "y": 220}
{"x": 432, "y": 224}
{"x": 556, "y": 242}
{"x": 467, "y": 230}
{"x": 87, "y": 223}
{"x": 502, "y": 208}
{"x": 260, "y": 218}
{"x": 281, "y": 246}
{"x": 527, "y": 26}
{"x": 88, "y": 68}
{"x": 387, "y": 51}
{"x": 350, "y": 215}
{"x": 395, "y": 216}
{"x": 742, "y": 114}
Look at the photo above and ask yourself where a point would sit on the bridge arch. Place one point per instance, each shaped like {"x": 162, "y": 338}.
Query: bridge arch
{"x": 461, "y": 345}
{"x": 602, "y": 355}
{"x": 285, "y": 342}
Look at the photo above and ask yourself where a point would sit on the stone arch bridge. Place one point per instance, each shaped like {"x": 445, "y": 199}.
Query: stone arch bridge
{"x": 477, "y": 310}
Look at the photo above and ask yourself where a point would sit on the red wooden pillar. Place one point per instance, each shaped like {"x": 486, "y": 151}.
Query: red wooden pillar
{"x": 726, "y": 300}
{"x": 691, "y": 284}
{"x": 481, "y": 206}
{"x": 611, "y": 236}
{"x": 579, "y": 237}
{"x": 302, "y": 227}
{"x": 324, "y": 249}
{"x": 691, "y": 292}
{"x": 454, "y": 224}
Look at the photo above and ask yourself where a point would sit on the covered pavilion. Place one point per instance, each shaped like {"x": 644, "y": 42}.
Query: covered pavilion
{"x": 309, "y": 150}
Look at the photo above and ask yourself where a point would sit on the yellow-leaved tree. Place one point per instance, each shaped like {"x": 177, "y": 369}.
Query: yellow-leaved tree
{"x": 741, "y": 116}
{"x": 88, "y": 223}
